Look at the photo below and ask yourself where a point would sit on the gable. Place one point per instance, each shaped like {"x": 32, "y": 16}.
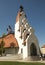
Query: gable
{"x": 9, "y": 39}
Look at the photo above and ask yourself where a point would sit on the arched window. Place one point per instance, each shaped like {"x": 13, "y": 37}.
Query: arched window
{"x": 24, "y": 30}
{"x": 33, "y": 50}
{"x": 27, "y": 35}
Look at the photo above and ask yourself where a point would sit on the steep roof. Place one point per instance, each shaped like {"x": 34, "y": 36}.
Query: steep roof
{"x": 8, "y": 40}
{"x": 43, "y": 46}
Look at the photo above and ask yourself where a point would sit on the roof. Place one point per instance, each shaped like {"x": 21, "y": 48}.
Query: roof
{"x": 18, "y": 15}
{"x": 9, "y": 40}
{"x": 43, "y": 46}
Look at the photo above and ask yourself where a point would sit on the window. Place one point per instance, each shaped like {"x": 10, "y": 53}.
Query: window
{"x": 24, "y": 30}
{"x": 27, "y": 35}
{"x": 24, "y": 43}
{"x": 18, "y": 29}
{"x": 22, "y": 23}
{"x": 21, "y": 50}
{"x": 21, "y": 36}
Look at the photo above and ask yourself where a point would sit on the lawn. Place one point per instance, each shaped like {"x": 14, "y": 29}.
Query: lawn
{"x": 19, "y": 63}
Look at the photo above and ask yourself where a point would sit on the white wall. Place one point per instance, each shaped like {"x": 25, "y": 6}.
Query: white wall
{"x": 43, "y": 50}
{"x": 25, "y": 52}
{"x": 11, "y": 50}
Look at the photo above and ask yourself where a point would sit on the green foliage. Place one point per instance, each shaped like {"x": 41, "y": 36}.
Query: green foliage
{"x": 2, "y": 47}
{"x": 2, "y": 43}
{"x": 3, "y": 35}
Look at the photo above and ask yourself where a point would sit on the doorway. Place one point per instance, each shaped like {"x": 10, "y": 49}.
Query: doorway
{"x": 33, "y": 50}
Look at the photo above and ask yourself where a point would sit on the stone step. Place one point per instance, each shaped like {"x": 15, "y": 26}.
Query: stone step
{"x": 33, "y": 58}
{"x": 12, "y": 57}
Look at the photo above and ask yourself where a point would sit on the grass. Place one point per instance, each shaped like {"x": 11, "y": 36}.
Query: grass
{"x": 19, "y": 63}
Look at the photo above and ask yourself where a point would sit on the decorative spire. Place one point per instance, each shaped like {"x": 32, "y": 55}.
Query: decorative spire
{"x": 21, "y": 8}
{"x": 19, "y": 13}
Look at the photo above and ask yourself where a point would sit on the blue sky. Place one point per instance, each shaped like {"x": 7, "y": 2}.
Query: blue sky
{"x": 35, "y": 11}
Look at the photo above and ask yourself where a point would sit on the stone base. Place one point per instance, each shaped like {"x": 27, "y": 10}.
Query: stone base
{"x": 33, "y": 58}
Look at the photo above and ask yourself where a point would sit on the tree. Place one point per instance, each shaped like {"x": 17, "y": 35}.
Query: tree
{"x": 3, "y": 35}
{"x": 2, "y": 47}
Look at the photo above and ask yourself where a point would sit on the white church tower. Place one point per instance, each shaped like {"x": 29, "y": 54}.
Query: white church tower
{"x": 24, "y": 33}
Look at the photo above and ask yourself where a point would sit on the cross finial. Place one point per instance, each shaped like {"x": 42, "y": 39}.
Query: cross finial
{"x": 21, "y": 8}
